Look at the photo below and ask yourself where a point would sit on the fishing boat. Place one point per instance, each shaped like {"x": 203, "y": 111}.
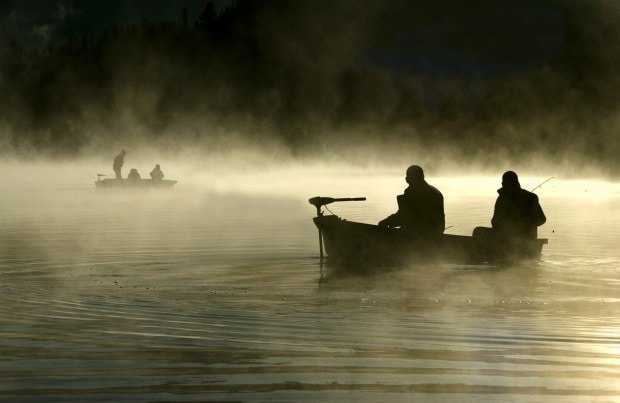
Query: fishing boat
{"x": 133, "y": 183}
{"x": 361, "y": 245}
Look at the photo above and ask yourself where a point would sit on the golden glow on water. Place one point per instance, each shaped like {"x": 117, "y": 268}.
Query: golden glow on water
{"x": 212, "y": 290}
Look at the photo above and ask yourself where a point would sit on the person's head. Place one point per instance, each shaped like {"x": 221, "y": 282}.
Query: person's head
{"x": 133, "y": 171}
{"x": 157, "y": 166}
{"x": 414, "y": 174}
{"x": 123, "y": 152}
{"x": 510, "y": 180}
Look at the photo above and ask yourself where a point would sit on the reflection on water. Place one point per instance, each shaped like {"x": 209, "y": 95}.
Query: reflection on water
{"x": 193, "y": 295}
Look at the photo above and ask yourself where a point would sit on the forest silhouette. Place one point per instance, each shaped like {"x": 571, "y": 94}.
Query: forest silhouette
{"x": 311, "y": 75}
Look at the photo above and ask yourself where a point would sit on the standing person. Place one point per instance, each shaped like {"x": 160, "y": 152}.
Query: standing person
{"x": 420, "y": 207}
{"x": 156, "y": 173}
{"x": 119, "y": 160}
{"x": 517, "y": 212}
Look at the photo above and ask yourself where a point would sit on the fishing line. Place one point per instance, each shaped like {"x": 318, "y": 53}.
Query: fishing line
{"x": 87, "y": 171}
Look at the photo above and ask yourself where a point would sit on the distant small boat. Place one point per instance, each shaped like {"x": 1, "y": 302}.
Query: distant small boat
{"x": 133, "y": 183}
{"x": 362, "y": 246}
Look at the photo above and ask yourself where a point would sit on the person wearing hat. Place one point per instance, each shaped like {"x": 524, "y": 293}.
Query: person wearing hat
{"x": 517, "y": 211}
{"x": 420, "y": 207}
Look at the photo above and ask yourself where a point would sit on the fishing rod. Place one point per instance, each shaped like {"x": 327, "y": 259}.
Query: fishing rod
{"x": 87, "y": 171}
{"x": 542, "y": 183}
{"x": 99, "y": 176}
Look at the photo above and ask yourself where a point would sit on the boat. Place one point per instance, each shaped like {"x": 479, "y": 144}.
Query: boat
{"x": 133, "y": 183}
{"x": 361, "y": 245}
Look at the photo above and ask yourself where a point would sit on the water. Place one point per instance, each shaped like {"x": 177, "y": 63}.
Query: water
{"x": 207, "y": 294}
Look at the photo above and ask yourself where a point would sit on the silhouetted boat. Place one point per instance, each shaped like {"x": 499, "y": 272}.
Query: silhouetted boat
{"x": 134, "y": 183}
{"x": 360, "y": 245}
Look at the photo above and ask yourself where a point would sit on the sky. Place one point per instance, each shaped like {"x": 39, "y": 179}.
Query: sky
{"x": 508, "y": 39}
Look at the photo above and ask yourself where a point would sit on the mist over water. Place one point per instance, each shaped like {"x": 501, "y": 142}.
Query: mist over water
{"x": 504, "y": 82}
{"x": 213, "y": 289}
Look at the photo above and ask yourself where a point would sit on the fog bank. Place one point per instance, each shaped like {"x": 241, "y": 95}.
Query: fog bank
{"x": 439, "y": 83}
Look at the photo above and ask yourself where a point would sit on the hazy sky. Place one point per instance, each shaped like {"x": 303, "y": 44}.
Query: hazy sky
{"x": 504, "y": 39}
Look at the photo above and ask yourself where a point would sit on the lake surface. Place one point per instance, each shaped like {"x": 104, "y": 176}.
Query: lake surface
{"x": 209, "y": 292}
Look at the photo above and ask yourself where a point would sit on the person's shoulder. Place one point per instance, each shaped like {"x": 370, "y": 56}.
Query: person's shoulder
{"x": 530, "y": 195}
{"x": 434, "y": 189}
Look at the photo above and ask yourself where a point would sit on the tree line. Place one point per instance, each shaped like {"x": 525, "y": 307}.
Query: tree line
{"x": 300, "y": 73}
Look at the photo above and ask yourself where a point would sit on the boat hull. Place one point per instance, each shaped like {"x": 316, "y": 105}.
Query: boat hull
{"x": 363, "y": 245}
{"x": 134, "y": 184}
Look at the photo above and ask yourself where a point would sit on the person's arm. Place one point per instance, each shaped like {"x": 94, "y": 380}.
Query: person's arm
{"x": 538, "y": 215}
{"x": 497, "y": 213}
{"x": 442, "y": 215}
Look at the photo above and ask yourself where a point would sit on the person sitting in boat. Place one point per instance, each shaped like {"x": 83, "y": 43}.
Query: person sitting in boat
{"x": 133, "y": 174}
{"x": 156, "y": 173}
{"x": 119, "y": 160}
{"x": 517, "y": 211}
{"x": 420, "y": 207}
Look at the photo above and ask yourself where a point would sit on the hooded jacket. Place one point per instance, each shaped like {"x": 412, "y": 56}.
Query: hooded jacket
{"x": 517, "y": 213}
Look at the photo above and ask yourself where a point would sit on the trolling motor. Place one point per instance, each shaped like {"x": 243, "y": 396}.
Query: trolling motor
{"x": 319, "y": 202}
